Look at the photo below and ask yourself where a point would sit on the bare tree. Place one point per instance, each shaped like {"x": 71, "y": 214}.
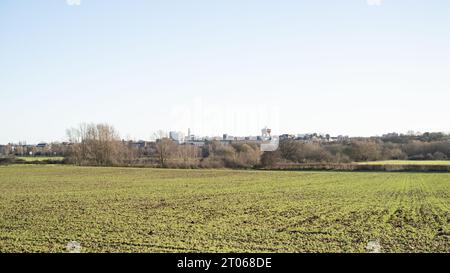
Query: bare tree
{"x": 188, "y": 154}
{"x": 165, "y": 147}
{"x": 97, "y": 144}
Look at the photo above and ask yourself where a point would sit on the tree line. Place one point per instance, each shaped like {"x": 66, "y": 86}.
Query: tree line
{"x": 357, "y": 150}
{"x": 100, "y": 144}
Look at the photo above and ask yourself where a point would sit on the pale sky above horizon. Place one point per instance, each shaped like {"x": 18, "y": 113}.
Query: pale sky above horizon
{"x": 350, "y": 67}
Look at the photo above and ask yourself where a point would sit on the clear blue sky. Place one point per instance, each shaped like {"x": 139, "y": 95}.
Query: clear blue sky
{"x": 228, "y": 66}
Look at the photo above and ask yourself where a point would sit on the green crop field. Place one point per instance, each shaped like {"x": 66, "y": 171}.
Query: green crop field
{"x": 408, "y": 162}
{"x": 43, "y": 207}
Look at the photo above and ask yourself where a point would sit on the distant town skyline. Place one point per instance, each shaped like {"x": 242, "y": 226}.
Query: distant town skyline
{"x": 180, "y": 135}
{"x": 357, "y": 68}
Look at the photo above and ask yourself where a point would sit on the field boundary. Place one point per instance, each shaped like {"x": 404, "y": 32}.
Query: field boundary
{"x": 344, "y": 167}
{"x": 361, "y": 167}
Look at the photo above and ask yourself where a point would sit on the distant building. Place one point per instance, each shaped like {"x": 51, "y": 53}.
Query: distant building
{"x": 265, "y": 133}
{"x": 227, "y": 138}
{"x": 189, "y": 136}
{"x": 198, "y": 143}
{"x": 287, "y": 136}
{"x": 42, "y": 145}
{"x": 176, "y": 136}
{"x": 269, "y": 143}
{"x": 141, "y": 144}
{"x": 390, "y": 135}
{"x": 3, "y": 150}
